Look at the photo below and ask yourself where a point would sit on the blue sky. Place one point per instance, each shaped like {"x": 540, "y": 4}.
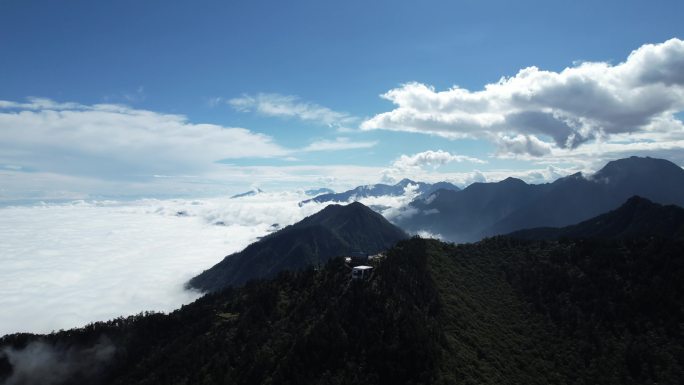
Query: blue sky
{"x": 182, "y": 98}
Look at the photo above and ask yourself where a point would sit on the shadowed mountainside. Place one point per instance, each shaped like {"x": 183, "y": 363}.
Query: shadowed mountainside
{"x": 501, "y": 311}
{"x": 638, "y": 217}
{"x": 486, "y": 209}
{"x": 334, "y": 231}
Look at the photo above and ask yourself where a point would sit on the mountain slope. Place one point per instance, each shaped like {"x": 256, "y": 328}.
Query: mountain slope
{"x": 336, "y": 230}
{"x": 638, "y": 217}
{"x": 498, "y": 311}
{"x": 575, "y": 198}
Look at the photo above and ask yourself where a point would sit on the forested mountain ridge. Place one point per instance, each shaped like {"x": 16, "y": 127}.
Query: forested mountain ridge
{"x": 637, "y": 217}
{"x": 495, "y": 312}
{"x": 334, "y": 231}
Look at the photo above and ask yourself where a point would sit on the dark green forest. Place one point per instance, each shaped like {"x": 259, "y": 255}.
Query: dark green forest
{"x": 498, "y": 311}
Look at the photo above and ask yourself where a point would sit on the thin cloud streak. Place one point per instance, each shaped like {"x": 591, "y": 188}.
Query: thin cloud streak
{"x": 337, "y": 145}
{"x": 290, "y": 106}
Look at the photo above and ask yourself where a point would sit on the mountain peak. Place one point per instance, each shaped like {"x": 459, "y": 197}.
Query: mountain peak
{"x": 636, "y": 166}
{"x": 334, "y": 231}
{"x": 511, "y": 180}
{"x": 638, "y": 201}
{"x": 405, "y": 182}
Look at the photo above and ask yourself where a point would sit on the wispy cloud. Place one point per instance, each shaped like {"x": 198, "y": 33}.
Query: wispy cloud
{"x": 338, "y": 144}
{"x": 289, "y": 106}
{"x": 536, "y": 111}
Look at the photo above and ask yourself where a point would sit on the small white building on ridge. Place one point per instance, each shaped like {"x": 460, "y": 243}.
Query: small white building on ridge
{"x": 361, "y": 272}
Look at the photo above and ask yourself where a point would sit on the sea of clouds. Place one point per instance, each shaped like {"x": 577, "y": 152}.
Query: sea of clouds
{"x": 66, "y": 265}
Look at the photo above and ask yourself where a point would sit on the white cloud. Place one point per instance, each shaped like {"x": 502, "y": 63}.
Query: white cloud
{"x": 432, "y": 159}
{"x": 52, "y": 150}
{"x": 476, "y": 176}
{"x": 118, "y": 141}
{"x": 289, "y": 106}
{"x": 67, "y": 265}
{"x": 428, "y": 235}
{"x": 537, "y": 110}
{"x": 522, "y": 144}
{"x": 337, "y": 145}
{"x": 421, "y": 166}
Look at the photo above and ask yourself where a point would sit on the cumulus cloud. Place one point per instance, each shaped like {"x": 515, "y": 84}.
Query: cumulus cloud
{"x": 118, "y": 141}
{"x": 476, "y": 176}
{"x": 432, "y": 159}
{"x": 289, "y": 106}
{"x": 536, "y": 111}
{"x": 522, "y": 144}
{"x": 65, "y": 265}
{"x": 419, "y": 166}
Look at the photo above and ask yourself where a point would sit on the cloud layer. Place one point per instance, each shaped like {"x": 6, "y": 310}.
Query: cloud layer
{"x": 536, "y": 111}
{"x": 70, "y": 264}
{"x": 65, "y": 265}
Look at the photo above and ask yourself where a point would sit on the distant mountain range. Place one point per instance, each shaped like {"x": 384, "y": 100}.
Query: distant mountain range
{"x": 377, "y": 190}
{"x": 638, "y": 217}
{"x": 248, "y": 193}
{"x": 319, "y": 191}
{"x": 485, "y": 209}
{"x": 334, "y": 231}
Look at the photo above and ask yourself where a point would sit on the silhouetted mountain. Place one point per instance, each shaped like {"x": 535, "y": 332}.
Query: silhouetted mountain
{"x": 439, "y": 186}
{"x": 462, "y": 216}
{"x": 486, "y": 209}
{"x": 638, "y": 217}
{"x": 377, "y": 190}
{"x": 319, "y": 191}
{"x": 575, "y": 198}
{"x": 336, "y": 230}
{"x": 501, "y": 311}
{"x": 248, "y": 193}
